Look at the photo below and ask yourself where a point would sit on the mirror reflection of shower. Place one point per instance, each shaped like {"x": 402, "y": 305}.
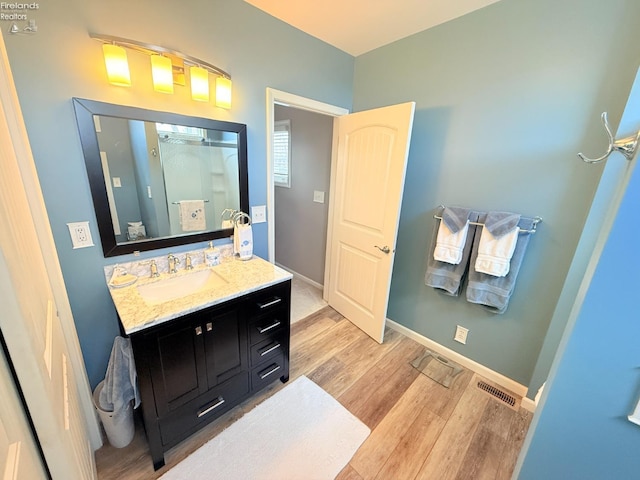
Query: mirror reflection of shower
{"x": 197, "y": 165}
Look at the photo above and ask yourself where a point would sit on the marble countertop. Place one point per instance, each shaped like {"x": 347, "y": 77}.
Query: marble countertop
{"x": 242, "y": 277}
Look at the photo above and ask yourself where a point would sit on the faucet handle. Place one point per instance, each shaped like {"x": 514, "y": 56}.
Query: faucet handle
{"x": 154, "y": 269}
{"x": 152, "y": 266}
{"x": 187, "y": 260}
{"x": 173, "y": 261}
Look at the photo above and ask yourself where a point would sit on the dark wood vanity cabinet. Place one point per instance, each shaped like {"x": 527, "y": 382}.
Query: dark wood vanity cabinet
{"x": 194, "y": 368}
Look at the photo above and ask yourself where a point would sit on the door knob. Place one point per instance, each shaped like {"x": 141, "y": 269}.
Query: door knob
{"x": 384, "y": 249}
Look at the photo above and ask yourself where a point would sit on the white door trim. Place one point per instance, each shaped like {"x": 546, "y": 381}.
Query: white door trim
{"x": 295, "y": 101}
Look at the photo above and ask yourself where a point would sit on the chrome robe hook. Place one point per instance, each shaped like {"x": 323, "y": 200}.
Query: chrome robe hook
{"x": 626, "y": 146}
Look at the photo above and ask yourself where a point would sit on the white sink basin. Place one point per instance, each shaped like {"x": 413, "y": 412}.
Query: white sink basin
{"x": 180, "y": 286}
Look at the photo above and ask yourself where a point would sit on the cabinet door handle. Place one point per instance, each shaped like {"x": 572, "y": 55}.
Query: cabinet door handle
{"x": 209, "y": 326}
{"x": 268, "y": 304}
{"x": 198, "y": 330}
{"x": 219, "y": 401}
{"x": 273, "y": 370}
{"x": 270, "y": 349}
{"x": 270, "y": 327}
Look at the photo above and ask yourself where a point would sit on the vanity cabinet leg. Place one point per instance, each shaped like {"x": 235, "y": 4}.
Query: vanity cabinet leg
{"x": 158, "y": 464}
{"x": 157, "y": 452}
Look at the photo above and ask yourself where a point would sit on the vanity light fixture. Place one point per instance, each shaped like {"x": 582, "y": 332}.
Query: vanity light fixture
{"x": 162, "y": 74}
{"x": 115, "y": 59}
{"x": 199, "y": 84}
{"x": 168, "y": 68}
{"x": 223, "y": 92}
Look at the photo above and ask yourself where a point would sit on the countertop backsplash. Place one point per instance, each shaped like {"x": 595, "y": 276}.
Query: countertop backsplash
{"x": 142, "y": 268}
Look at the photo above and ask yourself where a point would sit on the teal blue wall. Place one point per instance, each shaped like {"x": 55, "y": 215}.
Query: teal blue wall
{"x": 506, "y": 96}
{"x": 61, "y": 62}
{"x": 582, "y": 429}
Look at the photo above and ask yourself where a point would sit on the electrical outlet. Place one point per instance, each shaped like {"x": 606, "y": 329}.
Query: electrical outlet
{"x": 80, "y": 234}
{"x": 259, "y": 214}
{"x": 461, "y": 334}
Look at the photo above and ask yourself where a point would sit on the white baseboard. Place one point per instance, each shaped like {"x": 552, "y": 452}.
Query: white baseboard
{"x": 487, "y": 373}
{"x": 528, "y": 404}
{"x": 302, "y": 277}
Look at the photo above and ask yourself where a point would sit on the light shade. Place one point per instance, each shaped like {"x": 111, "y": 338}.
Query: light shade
{"x": 162, "y": 74}
{"x": 223, "y": 92}
{"x": 199, "y": 84}
{"x": 115, "y": 59}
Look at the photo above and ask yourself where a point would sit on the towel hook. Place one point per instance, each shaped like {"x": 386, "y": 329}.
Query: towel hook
{"x": 626, "y": 146}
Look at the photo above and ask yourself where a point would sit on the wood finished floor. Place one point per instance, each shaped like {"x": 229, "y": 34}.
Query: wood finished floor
{"x": 419, "y": 429}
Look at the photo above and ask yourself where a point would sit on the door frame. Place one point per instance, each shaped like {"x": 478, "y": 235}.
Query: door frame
{"x": 278, "y": 97}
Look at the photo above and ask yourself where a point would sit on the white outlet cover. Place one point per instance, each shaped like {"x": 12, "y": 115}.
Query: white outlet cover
{"x": 80, "y": 234}
{"x": 461, "y": 334}
{"x": 259, "y": 214}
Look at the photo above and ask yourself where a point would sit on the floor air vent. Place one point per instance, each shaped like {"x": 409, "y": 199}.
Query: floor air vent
{"x": 497, "y": 393}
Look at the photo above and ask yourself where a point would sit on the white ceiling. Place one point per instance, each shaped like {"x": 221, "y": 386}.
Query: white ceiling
{"x": 358, "y": 26}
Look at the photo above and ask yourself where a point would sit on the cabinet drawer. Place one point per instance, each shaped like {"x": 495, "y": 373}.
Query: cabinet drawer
{"x": 268, "y": 326}
{"x": 267, "y": 349}
{"x": 203, "y": 409}
{"x": 268, "y": 372}
{"x": 269, "y": 299}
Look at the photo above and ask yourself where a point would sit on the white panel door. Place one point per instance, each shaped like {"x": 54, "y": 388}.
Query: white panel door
{"x": 29, "y": 321}
{"x": 19, "y": 456}
{"x": 369, "y": 165}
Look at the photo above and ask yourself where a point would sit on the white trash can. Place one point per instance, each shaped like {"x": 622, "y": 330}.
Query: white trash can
{"x": 118, "y": 426}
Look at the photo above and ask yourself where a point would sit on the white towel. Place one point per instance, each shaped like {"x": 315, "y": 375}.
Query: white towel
{"x": 450, "y": 246}
{"x": 192, "y": 216}
{"x": 244, "y": 238}
{"x": 494, "y": 253}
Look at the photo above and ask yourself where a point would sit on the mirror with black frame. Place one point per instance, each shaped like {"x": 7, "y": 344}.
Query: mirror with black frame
{"x": 160, "y": 179}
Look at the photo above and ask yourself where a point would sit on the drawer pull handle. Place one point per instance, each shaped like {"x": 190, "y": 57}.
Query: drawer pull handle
{"x": 270, "y": 327}
{"x": 219, "y": 401}
{"x": 268, "y": 304}
{"x": 198, "y": 330}
{"x": 269, "y": 350}
{"x": 209, "y": 327}
{"x": 273, "y": 370}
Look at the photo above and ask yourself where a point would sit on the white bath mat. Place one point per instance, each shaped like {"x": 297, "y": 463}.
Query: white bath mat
{"x": 301, "y": 432}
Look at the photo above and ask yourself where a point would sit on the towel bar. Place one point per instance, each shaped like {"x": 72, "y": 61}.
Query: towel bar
{"x": 536, "y": 221}
{"x": 178, "y": 203}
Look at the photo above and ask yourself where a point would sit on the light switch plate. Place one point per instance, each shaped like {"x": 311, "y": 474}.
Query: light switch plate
{"x": 116, "y": 182}
{"x": 318, "y": 197}
{"x": 80, "y": 234}
{"x": 259, "y": 214}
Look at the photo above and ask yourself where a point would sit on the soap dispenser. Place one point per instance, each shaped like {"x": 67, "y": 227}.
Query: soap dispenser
{"x": 212, "y": 255}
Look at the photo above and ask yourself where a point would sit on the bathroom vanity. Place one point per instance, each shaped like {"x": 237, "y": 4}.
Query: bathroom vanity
{"x": 200, "y": 354}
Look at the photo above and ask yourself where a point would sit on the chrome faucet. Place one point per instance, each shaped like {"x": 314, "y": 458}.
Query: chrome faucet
{"x": 173, "y": 261}
{"x": 187, "y": 262}
{"x": 154, "y": 269}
